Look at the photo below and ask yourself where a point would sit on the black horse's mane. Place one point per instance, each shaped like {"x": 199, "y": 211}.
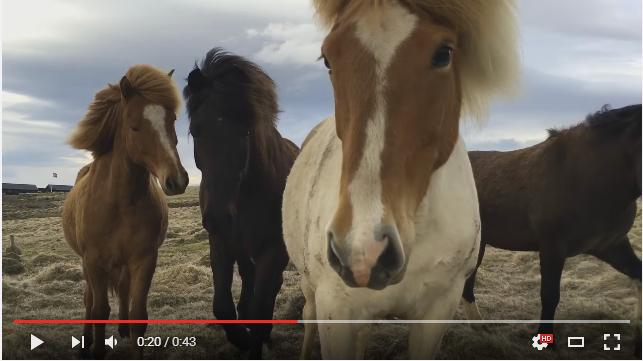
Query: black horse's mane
{"x": 246, "y": 94}
{"x": 233, "y": 75}
{"x": 607, "y": 121}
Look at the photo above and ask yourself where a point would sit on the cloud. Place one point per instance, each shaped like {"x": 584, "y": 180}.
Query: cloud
{"x": 11, "y": 100}
{"x": 19, "y": 127}
{"x": 48, "y": 21}
{"x": 503, "y": 144}
{"x": 283, "y": 9}
{"x": 80, "y": 160}
{"x": 546, "y": 101}
{"x": 15, "y": 123}
{"x": 288, "y": 43}
{"x": 578, "y": 55}
{"x": 614, "y": 20}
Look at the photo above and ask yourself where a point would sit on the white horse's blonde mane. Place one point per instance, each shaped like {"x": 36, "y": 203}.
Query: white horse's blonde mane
{"x": 489, "y": 59}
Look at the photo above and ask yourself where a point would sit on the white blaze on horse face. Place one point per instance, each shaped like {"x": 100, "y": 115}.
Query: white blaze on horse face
{"x": 156, "y": 115}
{"x": 382, "y": 37}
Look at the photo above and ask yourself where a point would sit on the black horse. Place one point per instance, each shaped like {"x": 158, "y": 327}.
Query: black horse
{"x": 244, "y": 162}
{"x": 573, "y": 193}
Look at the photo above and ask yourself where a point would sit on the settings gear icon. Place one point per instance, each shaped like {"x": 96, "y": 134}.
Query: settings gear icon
{"x": 537, "y": 344}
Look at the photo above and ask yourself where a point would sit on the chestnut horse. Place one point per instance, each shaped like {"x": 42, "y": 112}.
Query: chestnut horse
{"x": 380, "y": 209}
{"x": 115, "y": 217}
{"x": 244, "y": 162}
{"x": 575, "y": 193}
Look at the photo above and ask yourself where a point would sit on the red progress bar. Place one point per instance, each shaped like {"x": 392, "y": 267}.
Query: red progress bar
{"x": 54, "y": 322}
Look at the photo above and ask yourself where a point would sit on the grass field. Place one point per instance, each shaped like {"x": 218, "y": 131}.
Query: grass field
{"x": 45, "y": 281}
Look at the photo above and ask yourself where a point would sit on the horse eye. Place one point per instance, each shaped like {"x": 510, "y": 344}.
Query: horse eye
{"x": 442, "y": 57}
{"x": 134, "y": 129}
{"x": 326, "y": 63}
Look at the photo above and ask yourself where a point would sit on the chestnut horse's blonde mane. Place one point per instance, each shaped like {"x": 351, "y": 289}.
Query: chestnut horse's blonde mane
{"x": 96, "y": 131}
{"x": 489, "y": 59}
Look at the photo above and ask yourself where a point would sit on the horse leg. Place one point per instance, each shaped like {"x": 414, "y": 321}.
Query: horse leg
{"x": 636, "y": 320}
{"x": 87, "y": 328}
{"x": 247, "y": 273}
{"x": 123, "y": 297}
{"x": 222, "y": 263}
{"x": 468, "y": 296}
{"x": 425, "y": 338}
{"x": 339, "y": 340}
{"x": 622, "y": 257}
{"x": 552, "y": 261}
{"x": 100, "y": 305}
{"x": 310, "y": 329}
{"x": 142, "y": 271}
{"x": 269, "y": 278}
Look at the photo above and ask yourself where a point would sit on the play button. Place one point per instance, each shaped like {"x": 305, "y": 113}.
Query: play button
{"x": 35, "y": 342}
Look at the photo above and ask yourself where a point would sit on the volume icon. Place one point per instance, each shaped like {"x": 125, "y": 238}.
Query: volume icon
{"x": 111, "y": 342}
{"x": 75, "y": 342}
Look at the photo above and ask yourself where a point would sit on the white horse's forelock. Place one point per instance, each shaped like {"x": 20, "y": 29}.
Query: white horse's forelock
{"x": 490, "y": 61}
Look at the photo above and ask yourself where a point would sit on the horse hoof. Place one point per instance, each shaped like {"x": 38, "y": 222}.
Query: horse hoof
{"x": 99, "y": 354}
{"x": 255, "y": 353}
{"x": 123, "y": 330}
{"x": 268, "y": 341}
{"x": 239, "y": 337}
{"x": 84, "y": 354}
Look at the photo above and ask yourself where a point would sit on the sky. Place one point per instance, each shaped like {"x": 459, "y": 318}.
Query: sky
{"x": 577, "y": 55}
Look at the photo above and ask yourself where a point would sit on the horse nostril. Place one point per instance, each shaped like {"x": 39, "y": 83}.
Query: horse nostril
{"x": 330, "y": 236}
{"x": 170, "y": 185}
{"x": 391, "y": 258}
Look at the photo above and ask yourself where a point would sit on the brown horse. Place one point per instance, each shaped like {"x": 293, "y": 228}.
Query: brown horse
{"x": 573, "y": 193}
{"x": 115, "y": 217}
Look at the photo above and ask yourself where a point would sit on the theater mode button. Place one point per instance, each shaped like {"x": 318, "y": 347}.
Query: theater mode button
{"x": 35, "y": 342}
{"x": 575, "y": 341}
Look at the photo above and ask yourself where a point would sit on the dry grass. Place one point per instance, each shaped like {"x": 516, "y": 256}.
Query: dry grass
{"x": 50, "y": 286}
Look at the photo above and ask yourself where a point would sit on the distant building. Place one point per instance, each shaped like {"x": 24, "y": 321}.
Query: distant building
{"x": 13, "y": 188}
{"x": 57, "y": 188}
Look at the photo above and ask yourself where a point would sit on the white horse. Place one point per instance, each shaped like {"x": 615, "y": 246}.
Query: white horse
{"x": 380, "y": 209}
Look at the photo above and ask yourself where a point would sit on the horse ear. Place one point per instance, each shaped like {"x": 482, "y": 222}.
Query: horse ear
{"x": 126, "y": 88}
{"x": 196, "y": 80}
{"x": 170, "y": 73}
